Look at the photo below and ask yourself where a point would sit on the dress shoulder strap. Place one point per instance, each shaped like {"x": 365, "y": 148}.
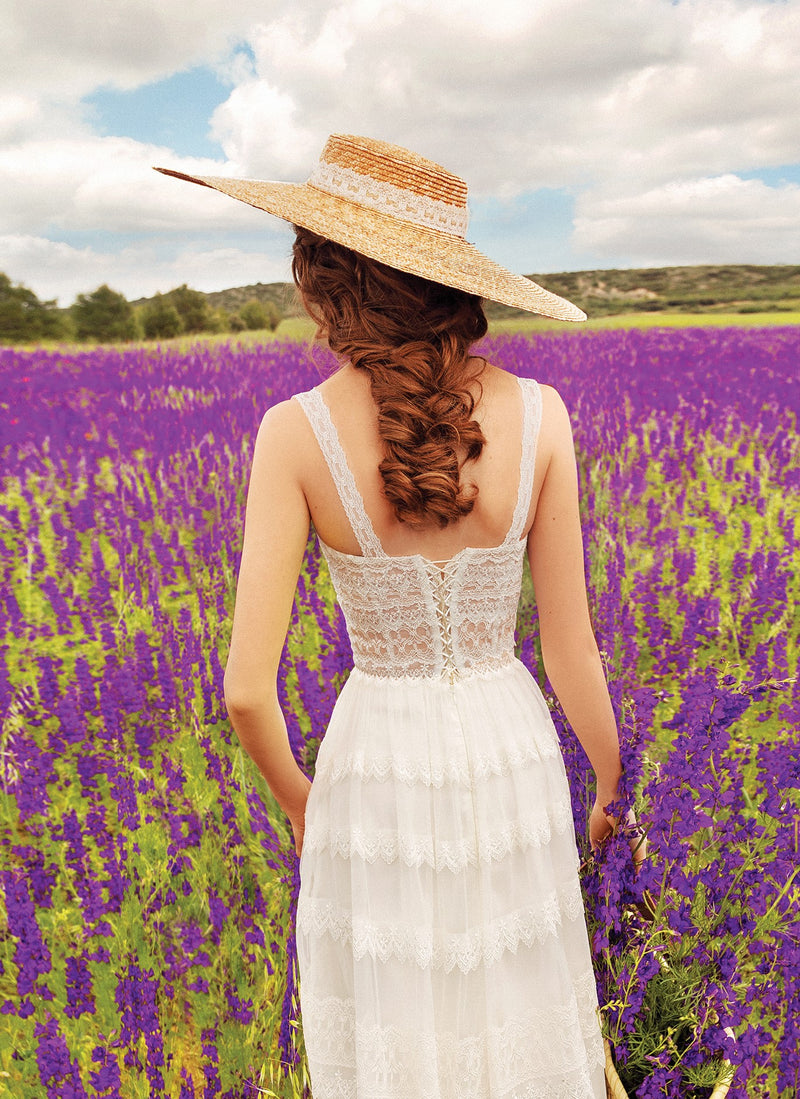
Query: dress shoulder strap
{"x": 531, "y": 422}
{"x": 327, "y": 436}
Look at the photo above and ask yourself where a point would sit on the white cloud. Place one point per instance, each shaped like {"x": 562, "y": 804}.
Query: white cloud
{"x": 85, "y": 182}
{"x": 55, "y": 270}
{"x": 18, "y": 115}
{"x": 569, "y": 90}
{"x": 722, "y": 219}
{"x": 52, "y": 48}
{"x": 637, "y": 108}
{"x": 239, "y": 125}
{"x": 50, "y": 268}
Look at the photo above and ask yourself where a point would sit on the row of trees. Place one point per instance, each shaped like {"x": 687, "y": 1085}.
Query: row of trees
{"x": 107, "y": 316}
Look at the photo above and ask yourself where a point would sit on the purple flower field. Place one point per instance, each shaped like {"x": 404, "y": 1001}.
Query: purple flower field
{"x": 147, "y": 877}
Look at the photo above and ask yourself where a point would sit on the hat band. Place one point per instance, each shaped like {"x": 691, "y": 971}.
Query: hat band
{"x": 385, "y": 198}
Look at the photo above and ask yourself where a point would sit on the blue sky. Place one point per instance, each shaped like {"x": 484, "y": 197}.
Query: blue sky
{"x": 173, "y": 112}
{"x": 591, "y": 134}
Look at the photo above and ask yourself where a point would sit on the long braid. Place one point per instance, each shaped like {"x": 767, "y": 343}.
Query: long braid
{"x": 412, "y": 337}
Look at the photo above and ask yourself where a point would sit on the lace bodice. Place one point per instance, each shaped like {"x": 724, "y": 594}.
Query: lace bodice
{"x": 407, "y": 616}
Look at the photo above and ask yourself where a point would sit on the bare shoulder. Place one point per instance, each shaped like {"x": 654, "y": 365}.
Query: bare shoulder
{"x": 501, "y": 381}
{"x": 286, "y": 424}
{"x": 552, "y": 401}
{"x": 283, "y": 417}
{"x": 497, "y": 380}
{"x": 556, "y": 429}
{"x": 283, "y": 436}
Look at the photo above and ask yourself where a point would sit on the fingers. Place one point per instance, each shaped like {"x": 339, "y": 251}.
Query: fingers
{"x": 596, "y": 839}
{"x": 638, "y": 847}
{"x": 637, "y": 839}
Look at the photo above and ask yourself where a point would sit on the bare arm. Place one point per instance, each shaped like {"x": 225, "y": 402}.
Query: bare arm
{"x": 569, "y": 649}
{"x": 275, "y": 537}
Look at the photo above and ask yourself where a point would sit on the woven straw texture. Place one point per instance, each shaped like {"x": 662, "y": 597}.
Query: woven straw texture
{"x": 401, "y": 243}
{"x": 615, "y": 1089}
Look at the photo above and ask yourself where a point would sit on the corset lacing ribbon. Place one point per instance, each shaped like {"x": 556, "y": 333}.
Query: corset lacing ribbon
{"x": 441, "y": 575}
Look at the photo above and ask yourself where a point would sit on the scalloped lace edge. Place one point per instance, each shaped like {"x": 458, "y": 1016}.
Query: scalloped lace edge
{"x": 444, "y": 671}
{"x": 313, "y": 404}
{"x": 429, "y": 947}
{"x": 524, "y": 1056}
{"x": 427, "y": 850}
{"x": 426, "y": 773}
{"x": 572, "y": 1086}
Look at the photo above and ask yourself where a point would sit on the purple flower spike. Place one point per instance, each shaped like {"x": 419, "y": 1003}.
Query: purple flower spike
{"x": 121, "y": 770}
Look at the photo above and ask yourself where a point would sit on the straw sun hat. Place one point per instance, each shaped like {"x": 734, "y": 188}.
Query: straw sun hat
{"x": 396, "y": 207}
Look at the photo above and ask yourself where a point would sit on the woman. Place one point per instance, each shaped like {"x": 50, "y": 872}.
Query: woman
{"x": 442, "y": 943}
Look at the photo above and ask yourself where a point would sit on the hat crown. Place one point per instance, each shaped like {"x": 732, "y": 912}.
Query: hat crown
{"x": 393, "y": 181}
{"x": 396, "y": 166}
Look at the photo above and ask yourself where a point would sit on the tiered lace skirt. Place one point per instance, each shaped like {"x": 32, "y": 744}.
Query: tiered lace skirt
{"x": 441, "y": 937}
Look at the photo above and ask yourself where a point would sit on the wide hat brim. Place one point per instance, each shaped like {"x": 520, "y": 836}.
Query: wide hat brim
{"x": 430, "y": 253}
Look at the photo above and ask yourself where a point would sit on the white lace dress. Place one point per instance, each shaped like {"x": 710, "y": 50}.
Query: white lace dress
{"x": 441, "y": 938}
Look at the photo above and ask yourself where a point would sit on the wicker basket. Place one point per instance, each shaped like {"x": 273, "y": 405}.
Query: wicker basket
{"x": 615, "y": 1089}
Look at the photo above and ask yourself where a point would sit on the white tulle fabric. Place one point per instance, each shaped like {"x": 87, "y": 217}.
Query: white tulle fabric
{"x": 441, "y": 938}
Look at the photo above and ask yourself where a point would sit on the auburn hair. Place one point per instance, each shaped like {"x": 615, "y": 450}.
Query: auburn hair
{"x": 412, "y": 337}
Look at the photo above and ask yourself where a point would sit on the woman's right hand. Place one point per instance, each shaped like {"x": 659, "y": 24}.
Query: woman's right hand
{"x": 297, "y": 813}
{"x": 298, "y": 824}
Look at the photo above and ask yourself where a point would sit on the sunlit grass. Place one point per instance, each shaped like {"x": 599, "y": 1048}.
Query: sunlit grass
{"x": 303, "y": 329}
{"x": 533, "y": 323}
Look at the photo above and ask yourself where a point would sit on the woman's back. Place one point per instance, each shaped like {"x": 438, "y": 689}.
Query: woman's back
{"x": 498, "y": 411}
{"x": 412, "y": 615}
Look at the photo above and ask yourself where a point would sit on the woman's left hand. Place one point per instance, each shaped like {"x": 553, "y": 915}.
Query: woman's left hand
{"x": 601, "y": 826}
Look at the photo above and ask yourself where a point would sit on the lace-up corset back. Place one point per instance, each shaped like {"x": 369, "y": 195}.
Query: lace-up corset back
{"x": 407, "y": 616}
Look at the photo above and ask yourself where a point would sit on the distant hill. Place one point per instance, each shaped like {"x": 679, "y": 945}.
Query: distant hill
{"x": 283, "y": 294}
{"x": 732, "y": 288}
{"x": 740, "y": 288}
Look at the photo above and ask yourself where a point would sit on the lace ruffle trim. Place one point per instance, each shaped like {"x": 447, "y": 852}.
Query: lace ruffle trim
{"x": 385, "y": 198}
{"x": 486, "y": 555}
{"x": 534, "y": 1053}
{"x": 341, "y": 1085}
{"x": 416, "y": 851}
{"x": 429, "y": 947}
{"x": 368, "y": 765}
